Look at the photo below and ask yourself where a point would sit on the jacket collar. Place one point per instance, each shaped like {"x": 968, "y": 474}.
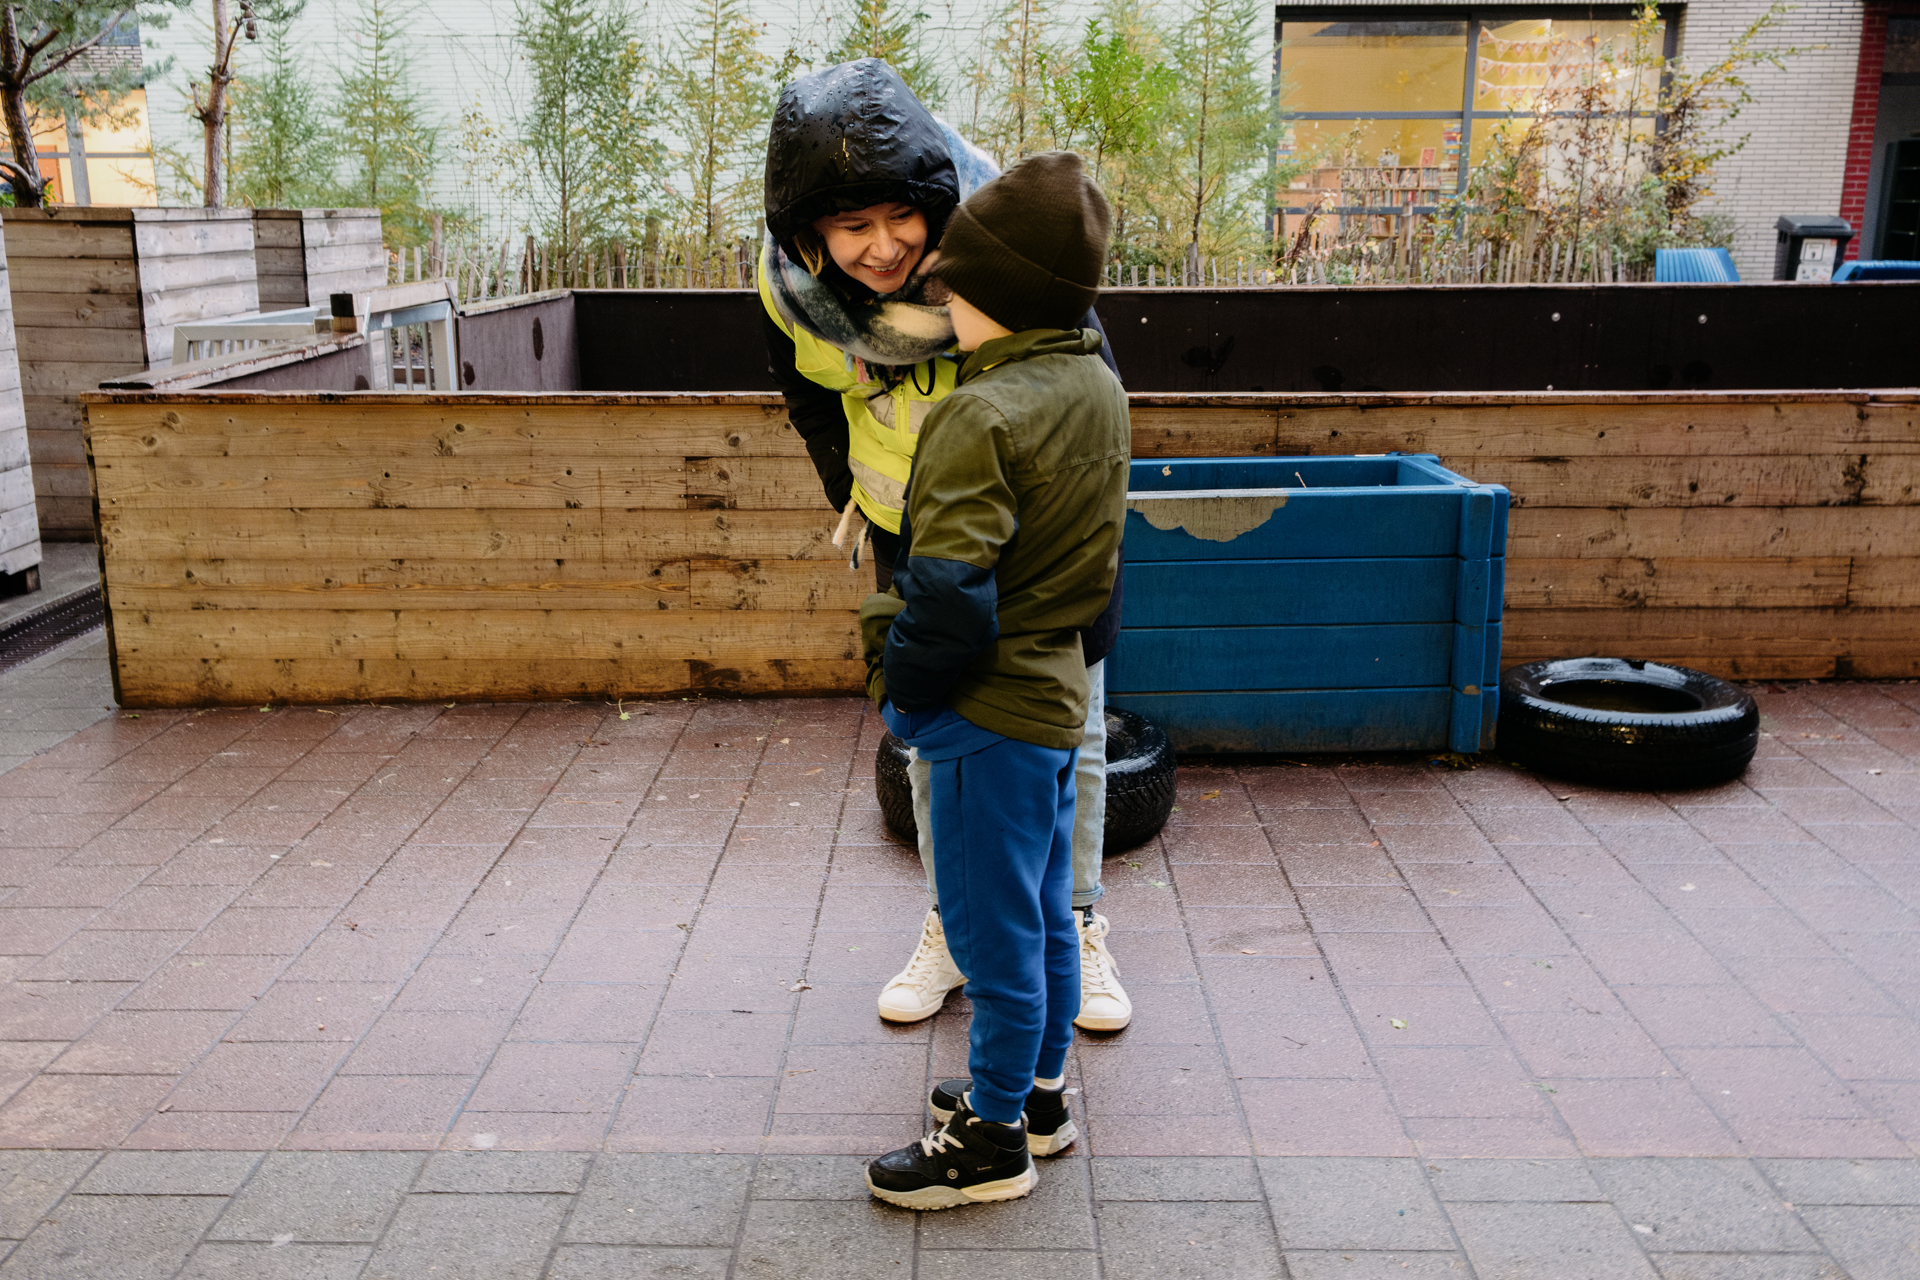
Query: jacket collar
{"x": 1024, "y": 346}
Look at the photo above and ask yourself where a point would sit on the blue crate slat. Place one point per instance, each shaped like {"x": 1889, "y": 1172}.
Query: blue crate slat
{"x": 1298, "y": 720}
{"x": 1312, "y": 604}
{"x": 1694, "y": 266}
{"x": 1489, "y": 714}
{"x": 1182, "y": 659}
{"x": 1473, "y": 590}
{"x": 1329, "y": 524}
{"x": 1242, "y": 593}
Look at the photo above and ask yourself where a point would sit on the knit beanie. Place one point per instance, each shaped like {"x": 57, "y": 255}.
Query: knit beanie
{"x": 1028, "y": 249}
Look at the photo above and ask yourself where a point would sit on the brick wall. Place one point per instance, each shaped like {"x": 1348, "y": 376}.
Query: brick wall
{"x": 1799, "y": 122}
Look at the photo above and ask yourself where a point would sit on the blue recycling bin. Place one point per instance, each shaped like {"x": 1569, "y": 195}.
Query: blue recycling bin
{"x": 1312, "y": 604}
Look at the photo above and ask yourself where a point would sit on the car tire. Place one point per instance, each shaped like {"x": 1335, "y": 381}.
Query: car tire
{"x": 1619, "y": 723}
{"x": 1140, "y": 782}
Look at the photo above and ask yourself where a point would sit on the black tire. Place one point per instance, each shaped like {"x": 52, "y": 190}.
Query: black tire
{"x": 1612, "y": 722}
{"x": 1140, "y": 774}
{"x": 1140, "y": 778}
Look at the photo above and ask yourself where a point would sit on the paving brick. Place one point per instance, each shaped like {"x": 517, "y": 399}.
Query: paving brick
{"x": 381, "y": 1113}
{"x": 31, "y": 1182}
{"x": 1156, "y": 1178}
{"x": 1513, "y": 1181}
{"x": 615, "y": 1262}
{"x": 1566, "y": 1241}
{"x": 1702, "y": 1206}
{"x": 1346, "y": 1264}
{"x": 693, "y": 1114}
{"x": 1872, "y": 1242}
{"x": 1656, "y": 1116}
{"x": 169, "y": 1173}
{"x": 276, "y": 1262}
{"x": 1353, "y": 1204}
{"x": 1845, "y": 1182}
{"x": 679, "y": 1200}
{"x": 137, "y": 1237}
{"x": 1187, "y": 1241}
{"x": 469, "y": 1237}
{"x": 1322, "y": 1118}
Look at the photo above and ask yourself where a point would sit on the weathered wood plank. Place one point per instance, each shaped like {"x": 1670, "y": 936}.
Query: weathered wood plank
{"x": 66, "y": 242}
{"x": 477, "y": 592}
{"x": 1462, "y": 432}
{"x": 1735, "y": 532}
{"x": 1746, "y": 644}
{"x": 345, "y": 481}
{"x": 1806, "y": 582}
{"x": 1825, "y": 480}
{"x": 810, "y": 585}
{"x": 332, "y": 536}
{"x": 442, "y": 430}
{"x": 496, "y": 576}
{"x": 496, "y": 635}
{"x": 186, "y": 682}
{"x": 111, "y": 276}
{"x": 1886, "y": 582}
{"x": 76, "y": 310}
{"x": 763, "y": 484}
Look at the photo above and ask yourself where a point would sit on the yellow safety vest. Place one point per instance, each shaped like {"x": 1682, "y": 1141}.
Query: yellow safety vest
{"x": 882, "y": 426}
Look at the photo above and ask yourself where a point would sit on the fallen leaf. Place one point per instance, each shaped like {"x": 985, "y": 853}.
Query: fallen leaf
{"x": 1212, "y": 795}
{"x": 1374, "y": 845}
{"x": 317, "y": 863}
{"x": 1398, "y": 1024}
{"x": 809, "y": 773}
{"x": 1248, "y": 951}
{"x": 1158, "y": 884}
{"x": 196, "y": 964}
{"x": 1687, "y": 888}
{"x": 1454, "y": 892}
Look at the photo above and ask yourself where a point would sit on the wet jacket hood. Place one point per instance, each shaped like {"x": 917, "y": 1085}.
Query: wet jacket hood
{"x": 852, "y": 136}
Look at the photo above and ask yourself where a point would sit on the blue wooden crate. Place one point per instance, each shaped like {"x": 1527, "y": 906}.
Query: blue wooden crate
{"x": 1312, "y": 604}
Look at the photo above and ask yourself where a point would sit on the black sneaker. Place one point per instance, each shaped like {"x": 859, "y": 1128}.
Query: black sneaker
{"x": 1050, "y": 1127}
{"x": 967, "y": 1160}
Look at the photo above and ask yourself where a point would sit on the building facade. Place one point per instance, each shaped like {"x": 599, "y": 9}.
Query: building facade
{"x": 1835, "y": 130}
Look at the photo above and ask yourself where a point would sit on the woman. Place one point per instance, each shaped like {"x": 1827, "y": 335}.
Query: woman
{"x": 861, "y": 180}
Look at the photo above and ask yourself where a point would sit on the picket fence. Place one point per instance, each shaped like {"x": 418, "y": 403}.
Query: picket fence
{"x": 480, "y": 273}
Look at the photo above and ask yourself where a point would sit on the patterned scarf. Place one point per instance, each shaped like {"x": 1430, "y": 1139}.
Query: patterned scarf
{"x": 896, "y": 329}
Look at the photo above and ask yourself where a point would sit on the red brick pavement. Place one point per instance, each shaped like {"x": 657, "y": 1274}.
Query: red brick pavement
{"x": 555, "y": 927}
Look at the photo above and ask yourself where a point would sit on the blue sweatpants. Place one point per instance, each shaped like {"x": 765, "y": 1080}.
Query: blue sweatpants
{"x": 1003, "y": 865}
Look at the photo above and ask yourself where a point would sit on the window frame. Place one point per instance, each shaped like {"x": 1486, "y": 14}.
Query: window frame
{"x": 1476, "y": 17}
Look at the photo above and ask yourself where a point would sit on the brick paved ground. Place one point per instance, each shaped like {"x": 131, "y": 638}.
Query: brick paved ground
{"x": 513, "y": 991}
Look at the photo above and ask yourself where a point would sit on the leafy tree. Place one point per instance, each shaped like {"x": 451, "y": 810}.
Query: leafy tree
{"x": 1013, "y": 67}
{"x": 1220, "y": 134}
{"x": 586, "y": 110}
{"x": 1108, "y": 100}
{"x": 282, "y": 158}
{"x": 212, "y": 114}
{"x": 719, "y": 92}
{"x": 383, "y": 136}
{"x": 874, "y": 30}
{"x": 44, "y": 71}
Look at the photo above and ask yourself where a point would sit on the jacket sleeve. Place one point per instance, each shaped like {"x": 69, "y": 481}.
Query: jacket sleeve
{"x": 961, "y": 511}
{"x": 815, "y": 412}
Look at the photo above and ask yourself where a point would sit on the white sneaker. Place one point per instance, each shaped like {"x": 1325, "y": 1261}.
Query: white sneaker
{"x": 918, "y": 990}
{"x": 1103, "y": 1001}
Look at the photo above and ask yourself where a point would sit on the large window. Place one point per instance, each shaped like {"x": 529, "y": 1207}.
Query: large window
{"x": 1381, "y": 108}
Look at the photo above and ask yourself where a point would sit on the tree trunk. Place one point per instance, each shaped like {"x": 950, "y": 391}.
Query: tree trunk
{"x": 214, "y": 117}
{"x": 29, "y": 188}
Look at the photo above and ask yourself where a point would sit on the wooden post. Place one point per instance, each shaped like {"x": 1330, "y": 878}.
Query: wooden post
{"x": 437, "y": 258}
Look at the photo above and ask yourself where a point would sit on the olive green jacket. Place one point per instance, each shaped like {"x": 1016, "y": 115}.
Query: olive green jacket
{"x": 1010, "y": 543}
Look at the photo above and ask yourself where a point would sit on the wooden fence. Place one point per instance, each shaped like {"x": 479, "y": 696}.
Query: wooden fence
{"x": 482, "y": 273}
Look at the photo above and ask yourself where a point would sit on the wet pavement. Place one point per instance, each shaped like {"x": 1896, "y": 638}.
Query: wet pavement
{"x": 553, "y": 990}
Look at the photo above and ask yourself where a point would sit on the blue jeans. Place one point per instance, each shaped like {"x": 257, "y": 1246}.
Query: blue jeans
{"x": 1002, "y": 817}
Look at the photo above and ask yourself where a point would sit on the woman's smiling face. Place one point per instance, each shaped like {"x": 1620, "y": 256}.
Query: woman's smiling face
{"x": 879, "y": 246}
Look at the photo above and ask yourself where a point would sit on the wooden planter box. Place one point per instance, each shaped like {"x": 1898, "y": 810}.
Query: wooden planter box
{"x": 97, "y": 292}
{"x": 315, "y": 546}
{"x": 19, "y": 525}
{"x": 1312, "y": 604}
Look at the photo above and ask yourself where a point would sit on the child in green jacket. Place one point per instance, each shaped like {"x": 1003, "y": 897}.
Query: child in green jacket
{"x": 1009, "y": 546}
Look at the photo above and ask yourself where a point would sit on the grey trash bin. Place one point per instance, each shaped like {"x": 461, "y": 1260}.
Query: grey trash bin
{"x": 1810, "y": 246}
